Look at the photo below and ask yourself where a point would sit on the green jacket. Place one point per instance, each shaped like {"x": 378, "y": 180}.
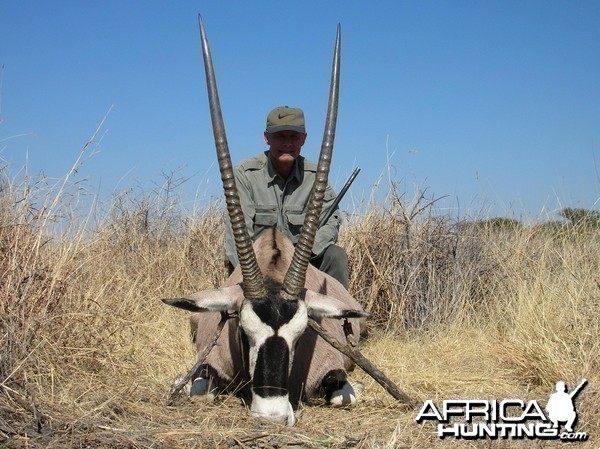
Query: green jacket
{"x": 269, "y": 201}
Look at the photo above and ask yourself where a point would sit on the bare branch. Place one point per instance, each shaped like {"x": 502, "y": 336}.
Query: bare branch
{"x": 356, "y": 356}
{"x": 175, "y": 389}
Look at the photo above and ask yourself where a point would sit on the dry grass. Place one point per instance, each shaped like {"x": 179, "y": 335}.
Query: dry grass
{"x": 87, "y": 350}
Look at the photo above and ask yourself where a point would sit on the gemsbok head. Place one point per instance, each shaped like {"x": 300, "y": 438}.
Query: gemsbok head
{"x": 269, "y": 349}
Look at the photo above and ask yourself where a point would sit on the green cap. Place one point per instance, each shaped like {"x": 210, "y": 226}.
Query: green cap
{"x": 285, "y": 118}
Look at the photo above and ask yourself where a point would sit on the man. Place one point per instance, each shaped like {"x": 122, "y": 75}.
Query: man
{"x": 560, "y": 407}
{"x": 274, "y": 189}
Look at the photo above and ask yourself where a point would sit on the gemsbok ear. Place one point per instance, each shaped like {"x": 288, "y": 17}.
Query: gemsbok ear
{"x": 323, "y": 306}
{"x": 215, "y": 300}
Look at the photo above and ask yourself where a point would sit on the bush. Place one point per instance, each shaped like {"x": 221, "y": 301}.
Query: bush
{"x": 581, "y": 218}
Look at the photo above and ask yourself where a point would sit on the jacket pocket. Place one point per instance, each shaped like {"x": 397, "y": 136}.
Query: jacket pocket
{"x": 264, "y": 217}
{"x": 295, "y": 219}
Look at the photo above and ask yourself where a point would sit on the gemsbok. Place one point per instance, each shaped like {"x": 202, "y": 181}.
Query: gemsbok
{"x": 269, "y": 350}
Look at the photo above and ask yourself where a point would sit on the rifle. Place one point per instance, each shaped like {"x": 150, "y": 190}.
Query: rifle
{"x": 338, "y": 198}
{"x": 579, "y": 387}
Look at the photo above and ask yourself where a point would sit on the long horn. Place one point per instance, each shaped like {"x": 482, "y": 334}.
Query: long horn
{"x": 296, "y": 274}
{"x": 252, "y": 278}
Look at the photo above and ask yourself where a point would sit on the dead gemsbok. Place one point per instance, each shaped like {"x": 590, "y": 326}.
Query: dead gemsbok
{"x": 270, "y": 348}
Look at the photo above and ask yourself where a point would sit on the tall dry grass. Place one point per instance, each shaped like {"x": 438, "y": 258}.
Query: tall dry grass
{"x": 459, "y": 309}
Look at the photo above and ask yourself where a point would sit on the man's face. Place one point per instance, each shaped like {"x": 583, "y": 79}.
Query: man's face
{"x": 284, "y": 146}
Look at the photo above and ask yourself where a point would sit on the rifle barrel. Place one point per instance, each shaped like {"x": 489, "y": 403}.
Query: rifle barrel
{"x": 338, "y": 198}
{"x": 579, "y": 387}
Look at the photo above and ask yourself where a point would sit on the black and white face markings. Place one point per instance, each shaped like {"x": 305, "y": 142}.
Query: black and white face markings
{"x": 272, "y": 327}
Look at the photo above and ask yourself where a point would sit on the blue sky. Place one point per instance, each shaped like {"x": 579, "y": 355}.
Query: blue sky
{"x": 494, "y": 105}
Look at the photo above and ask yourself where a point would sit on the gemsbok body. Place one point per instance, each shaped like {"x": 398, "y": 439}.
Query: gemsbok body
{"x": 270, "y": 350}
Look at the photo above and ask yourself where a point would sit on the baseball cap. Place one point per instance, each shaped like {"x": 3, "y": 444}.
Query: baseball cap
{"x": 285, "y": 118}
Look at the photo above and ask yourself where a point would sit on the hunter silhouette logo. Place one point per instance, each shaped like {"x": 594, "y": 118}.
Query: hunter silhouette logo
{"x": 474, "y": 419}
{"x": 560, "y": 406}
